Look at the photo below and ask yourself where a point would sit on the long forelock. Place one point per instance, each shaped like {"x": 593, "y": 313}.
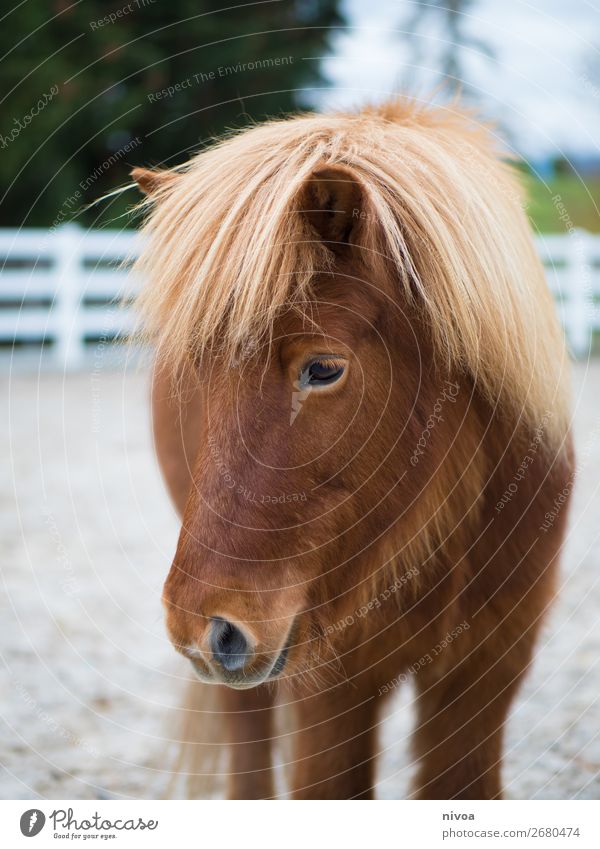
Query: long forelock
{"x": 228, "y": 246}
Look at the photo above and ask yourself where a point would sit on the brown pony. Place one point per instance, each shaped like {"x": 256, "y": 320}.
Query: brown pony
{"x": 360, "y": 412}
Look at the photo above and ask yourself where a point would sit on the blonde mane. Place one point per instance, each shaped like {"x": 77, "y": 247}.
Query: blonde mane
{"x": 228, "y": 246}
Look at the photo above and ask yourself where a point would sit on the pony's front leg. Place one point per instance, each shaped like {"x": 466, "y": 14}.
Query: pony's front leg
{"x": 461, "y": 717}
{"x": 248, "y": 716}
{"x": 334, "y": 747}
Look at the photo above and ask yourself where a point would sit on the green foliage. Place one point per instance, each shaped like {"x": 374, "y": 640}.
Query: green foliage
{"x": 85, "y": 92}
{"x": 563, "y": 202}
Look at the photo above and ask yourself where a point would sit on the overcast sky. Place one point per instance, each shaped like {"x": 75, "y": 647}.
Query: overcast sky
{"x": 544, "y": 82}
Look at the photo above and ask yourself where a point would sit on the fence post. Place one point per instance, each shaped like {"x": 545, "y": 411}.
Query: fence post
{"x": 68, "y": 346}
{"x": 579, "y": 305}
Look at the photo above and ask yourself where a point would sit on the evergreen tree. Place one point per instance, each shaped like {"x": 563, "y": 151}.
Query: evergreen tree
{"x": 94, "y": 87}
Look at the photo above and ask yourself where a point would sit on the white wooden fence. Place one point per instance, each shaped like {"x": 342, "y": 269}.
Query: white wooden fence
{"x": 60, "y": 288}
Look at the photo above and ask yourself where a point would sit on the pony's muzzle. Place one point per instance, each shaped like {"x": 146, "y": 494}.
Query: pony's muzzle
{"x": 229, "y": 654}
{"x": 229, "y": 646}
{"x": 241, "y": 645}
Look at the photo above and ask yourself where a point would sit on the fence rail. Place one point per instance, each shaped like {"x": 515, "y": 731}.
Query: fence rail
{"x": 60, "y": 288}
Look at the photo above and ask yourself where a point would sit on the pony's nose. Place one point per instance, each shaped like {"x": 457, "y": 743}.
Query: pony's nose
{"x": 228, "y": 644}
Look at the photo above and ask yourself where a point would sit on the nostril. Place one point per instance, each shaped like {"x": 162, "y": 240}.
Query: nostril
{"x": 228, "y": 644}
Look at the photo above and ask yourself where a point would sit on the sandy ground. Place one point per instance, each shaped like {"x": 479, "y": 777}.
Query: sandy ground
{"x": 86, "y": 536}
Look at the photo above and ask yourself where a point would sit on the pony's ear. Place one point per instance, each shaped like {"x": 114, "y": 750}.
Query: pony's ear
{"x": 151, "y": 181}
{"x": 333, "y": 204}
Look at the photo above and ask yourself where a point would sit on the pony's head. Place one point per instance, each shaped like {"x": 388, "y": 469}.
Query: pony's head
{"x": 355, "y": 296}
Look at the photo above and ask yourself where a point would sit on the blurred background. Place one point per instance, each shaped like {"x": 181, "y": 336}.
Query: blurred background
{"x": 532, "y": 67}
{"x": 91, "y": 89}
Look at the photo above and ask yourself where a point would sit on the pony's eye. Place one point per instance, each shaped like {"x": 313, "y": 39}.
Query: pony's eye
{"x": 321, "y": 372}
